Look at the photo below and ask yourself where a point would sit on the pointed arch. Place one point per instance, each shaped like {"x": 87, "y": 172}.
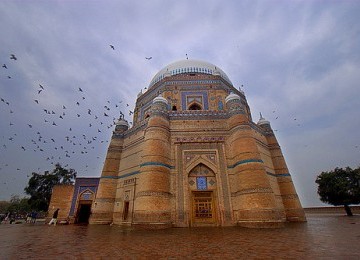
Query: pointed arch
{"x": 200, "y": 159}
{"x": 86, "y": 195}
{"x": 201, "y": 170}
{"x": 195, "y": 106}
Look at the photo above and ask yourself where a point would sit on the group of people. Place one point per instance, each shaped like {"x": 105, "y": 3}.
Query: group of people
{"x": 10, "y": 218}
{"x": 31, "y": 217}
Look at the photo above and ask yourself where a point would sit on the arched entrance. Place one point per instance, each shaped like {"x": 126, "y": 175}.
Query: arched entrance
{"x": 84, "y": 207}
{"x": 202, "y": 183}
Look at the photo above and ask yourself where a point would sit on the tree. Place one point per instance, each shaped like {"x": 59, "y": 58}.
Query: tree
{"x": 340, "y": 187}
{"x": 16, "y": 205}
{"x": 40, "y": 185}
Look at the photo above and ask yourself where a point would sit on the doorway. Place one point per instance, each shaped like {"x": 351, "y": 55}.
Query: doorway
{"x": 203, "y": 208}
{"x": 126, "y": 210}
{"x": 83, "y": 214}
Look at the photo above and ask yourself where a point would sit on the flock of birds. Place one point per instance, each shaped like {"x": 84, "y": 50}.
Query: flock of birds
{"x": 56, "y": 137}
{"x": 59, "y": 133}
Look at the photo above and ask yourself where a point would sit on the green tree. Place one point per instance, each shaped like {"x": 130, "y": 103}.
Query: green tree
{"x": 18, "y": 205}
{"x": 40, "y": 185}
{"x": 15, "y": 205}
{"x": 340, "y": 187}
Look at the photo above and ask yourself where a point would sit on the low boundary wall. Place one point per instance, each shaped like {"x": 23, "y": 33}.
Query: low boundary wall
{"x": 334, "y": 210}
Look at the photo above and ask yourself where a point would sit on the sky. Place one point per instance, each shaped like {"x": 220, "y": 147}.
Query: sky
{"x": 298, "y": 63}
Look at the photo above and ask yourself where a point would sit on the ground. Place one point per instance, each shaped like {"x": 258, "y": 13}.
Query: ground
{"x": 329, "y": 236}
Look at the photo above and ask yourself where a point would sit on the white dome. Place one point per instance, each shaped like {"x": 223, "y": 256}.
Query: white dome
{"x": 122, "y": 122}
{"x": 232, "y": 96}
{"x": 188, "y": 66}
{"x": 263, "y": 121}
{"x": 160, "y": 99}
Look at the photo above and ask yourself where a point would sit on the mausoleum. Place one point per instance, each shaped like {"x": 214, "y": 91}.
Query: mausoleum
{"x": 194, "y": 157}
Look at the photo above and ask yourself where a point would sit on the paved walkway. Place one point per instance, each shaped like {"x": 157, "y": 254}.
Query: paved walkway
{"x": 322, "y": 237}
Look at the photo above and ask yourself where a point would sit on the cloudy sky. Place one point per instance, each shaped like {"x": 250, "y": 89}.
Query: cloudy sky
{"x": 297, "y": 60}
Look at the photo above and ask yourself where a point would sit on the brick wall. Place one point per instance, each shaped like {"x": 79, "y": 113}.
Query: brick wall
{"x": 61, "y": 198}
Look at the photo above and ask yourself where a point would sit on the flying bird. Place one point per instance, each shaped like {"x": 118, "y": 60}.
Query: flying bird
{"x": 39, "y": 91}
{"x": 13, "y": 57}
{"x": 9, "y": 77}
{"x": 81, "y": 90}
{"x": 148, "y": 58}
{"x": 4, "y": 66}
{"x": 36, "y": 101}
{"x": 112, "y": 47}
{"x": 41, "y": 86}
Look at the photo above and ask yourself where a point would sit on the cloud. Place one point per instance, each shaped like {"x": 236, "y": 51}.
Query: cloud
{"x": 298, "y": 59}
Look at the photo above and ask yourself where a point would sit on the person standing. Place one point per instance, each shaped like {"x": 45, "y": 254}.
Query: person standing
{"x": 54, "y": 218}
{"x": 33, "y": 217}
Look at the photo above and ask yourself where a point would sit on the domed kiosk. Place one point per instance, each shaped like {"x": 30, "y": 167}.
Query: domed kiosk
{"x": 194, "y": 157}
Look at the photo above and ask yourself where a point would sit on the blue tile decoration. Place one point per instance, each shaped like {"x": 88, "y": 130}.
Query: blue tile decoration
{"x": 245, "y": 161}
{"x": 220, "y": 105}
{"x": 201, "y": 183}
{"x": 185, "y": 94}
{"x": 81, "y": 185}
{"x": 157, "y": 164}
{"x": 121, "y": 176}
{"x": 278, "y": 175}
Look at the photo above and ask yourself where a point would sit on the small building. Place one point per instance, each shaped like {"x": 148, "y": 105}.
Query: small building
{"x": 74, "y": 201}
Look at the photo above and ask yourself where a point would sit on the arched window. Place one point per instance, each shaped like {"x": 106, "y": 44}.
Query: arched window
{"x": 203, "y": 177}
{"x": 174, "y": 108}
{"x": 195, "y": 106}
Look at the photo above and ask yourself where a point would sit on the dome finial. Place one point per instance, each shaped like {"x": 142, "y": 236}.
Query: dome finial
{"x": 262, "y": 121}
